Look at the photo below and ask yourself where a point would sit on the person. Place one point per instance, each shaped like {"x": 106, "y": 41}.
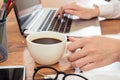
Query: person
{"x": 95, "y": 51}
{"x": 109, "y": 11}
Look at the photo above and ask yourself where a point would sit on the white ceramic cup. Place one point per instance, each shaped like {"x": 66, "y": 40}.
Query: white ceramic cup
{"x": 46, "y": 54}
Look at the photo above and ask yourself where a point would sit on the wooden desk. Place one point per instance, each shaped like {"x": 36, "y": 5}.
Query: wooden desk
{"x": 18, "y": 53}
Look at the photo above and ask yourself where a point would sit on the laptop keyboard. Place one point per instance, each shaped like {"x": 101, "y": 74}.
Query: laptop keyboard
{"x": 56, "y": 24}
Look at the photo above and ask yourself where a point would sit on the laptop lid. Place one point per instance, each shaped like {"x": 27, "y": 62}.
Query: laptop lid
{"x": 24, "y": 11}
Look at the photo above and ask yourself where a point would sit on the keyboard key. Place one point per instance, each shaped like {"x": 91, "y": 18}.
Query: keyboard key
{"x": 53, "y": 23}
{"x": 68, "y": 26}
{"x": 57, "y": 25}
{"x": 49, "y": 20}
{"x": 40, "y": 28}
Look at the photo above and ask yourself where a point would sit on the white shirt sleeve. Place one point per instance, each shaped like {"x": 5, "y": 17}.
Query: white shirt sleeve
{"x": 110, "y": 10}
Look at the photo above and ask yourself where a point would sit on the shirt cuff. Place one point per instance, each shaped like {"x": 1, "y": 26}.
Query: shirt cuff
{"x": 105, "y": 10}
{"x": 110, "y": 10}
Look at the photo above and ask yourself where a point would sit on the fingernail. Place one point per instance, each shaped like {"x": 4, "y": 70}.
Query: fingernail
{"x": 81, "y": 71}
{"x": 83, "y": 68}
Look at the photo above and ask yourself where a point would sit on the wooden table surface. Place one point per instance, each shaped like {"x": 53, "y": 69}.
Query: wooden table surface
{"x": 18, "y": 53}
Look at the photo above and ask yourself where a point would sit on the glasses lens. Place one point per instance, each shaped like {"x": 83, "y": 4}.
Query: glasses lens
{"x": 74, "y": 77}
{"x": 45, "y": 74}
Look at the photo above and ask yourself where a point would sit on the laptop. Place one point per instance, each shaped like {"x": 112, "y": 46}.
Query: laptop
{"x": 32, "y": 17}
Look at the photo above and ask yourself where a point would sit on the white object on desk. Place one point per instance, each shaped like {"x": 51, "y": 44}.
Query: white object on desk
{"x": 110, "y": 72}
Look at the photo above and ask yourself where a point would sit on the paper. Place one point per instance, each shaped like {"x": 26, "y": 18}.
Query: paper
{"x": 109, "y": 72}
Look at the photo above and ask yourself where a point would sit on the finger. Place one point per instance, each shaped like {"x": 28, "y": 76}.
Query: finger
{"x": 95, "y": 64}
{"x": 72, "y": 39}
{"x": 77, "y": 44}
{"x": 82, "y": 62}
{"x": 59, "y": 13}
{"x": 76, "y": 55}
{"x": 72, "y": 12}
{"x": 69, "y": 11}
{"x": 88, "y": 66}
{"x": 94, "y": 5}
{"x": 75, "y": 12}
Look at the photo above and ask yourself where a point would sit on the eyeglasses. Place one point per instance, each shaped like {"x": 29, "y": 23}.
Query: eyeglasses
{"x": 45, "y": 72}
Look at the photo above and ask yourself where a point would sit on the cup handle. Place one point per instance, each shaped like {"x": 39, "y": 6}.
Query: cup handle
{"x": 64, "y": 64}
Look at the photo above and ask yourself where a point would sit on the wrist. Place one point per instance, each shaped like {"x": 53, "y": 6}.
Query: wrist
{"x": 96, "y": 11}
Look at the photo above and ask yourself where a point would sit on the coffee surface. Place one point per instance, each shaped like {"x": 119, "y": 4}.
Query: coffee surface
{"x": 46, "y": 41}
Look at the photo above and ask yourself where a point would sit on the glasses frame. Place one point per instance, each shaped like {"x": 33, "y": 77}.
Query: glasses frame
{"x": 58, "y": 73}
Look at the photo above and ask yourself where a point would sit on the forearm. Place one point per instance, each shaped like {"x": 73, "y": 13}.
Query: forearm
{"x": 110, "y": 10}
{"x": 115, "y": 36}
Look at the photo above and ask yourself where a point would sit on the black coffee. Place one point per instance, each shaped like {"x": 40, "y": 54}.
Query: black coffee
{"x": 46, "y": 40}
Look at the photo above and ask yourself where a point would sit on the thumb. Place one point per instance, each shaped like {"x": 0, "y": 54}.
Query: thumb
{"x": 95, "y": 5}
{"x": 72, "y": 39}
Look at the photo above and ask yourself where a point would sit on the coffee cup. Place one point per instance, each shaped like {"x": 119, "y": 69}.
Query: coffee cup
{"x": 46, "y": 47}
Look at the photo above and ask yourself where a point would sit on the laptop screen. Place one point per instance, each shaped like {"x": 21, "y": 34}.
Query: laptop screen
{"x": 24, "y": 9}
{"x": 12, "y": 73}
